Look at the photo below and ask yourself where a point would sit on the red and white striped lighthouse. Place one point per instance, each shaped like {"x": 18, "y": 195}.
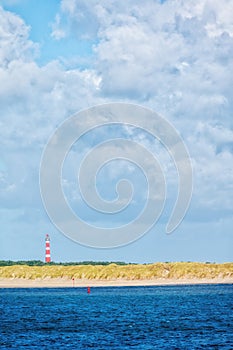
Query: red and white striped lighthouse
{"x": 47, "y": 249}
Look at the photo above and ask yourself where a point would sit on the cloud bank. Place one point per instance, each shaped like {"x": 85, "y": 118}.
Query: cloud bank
{"x": 175, "y": 57}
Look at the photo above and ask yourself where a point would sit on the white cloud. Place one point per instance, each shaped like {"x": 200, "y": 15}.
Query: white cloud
{"x": 15, "y": 44}
{"x": 176, "y": 57}
{"x": 169, "y": 55}
{"x": 57, "y": 32}
{"x": 220, "y": 17}
{"x": 34, "y": 100}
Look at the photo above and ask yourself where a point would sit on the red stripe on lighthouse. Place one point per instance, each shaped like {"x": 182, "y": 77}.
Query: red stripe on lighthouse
{"x": 47, "y": 249}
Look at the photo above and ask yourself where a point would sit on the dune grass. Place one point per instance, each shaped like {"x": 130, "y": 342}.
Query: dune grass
{"x": 176, "y": 270}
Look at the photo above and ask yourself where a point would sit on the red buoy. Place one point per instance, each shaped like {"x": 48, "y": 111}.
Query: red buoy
{"x": 88, "y": 290}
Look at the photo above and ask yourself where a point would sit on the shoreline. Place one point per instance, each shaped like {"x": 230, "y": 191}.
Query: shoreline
{"x": 69, "y": 283}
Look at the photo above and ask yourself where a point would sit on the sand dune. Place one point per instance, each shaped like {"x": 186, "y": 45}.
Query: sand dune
{"x": 115, "y": 275}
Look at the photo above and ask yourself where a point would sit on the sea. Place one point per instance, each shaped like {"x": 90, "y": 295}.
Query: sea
{"x": 155, "y": 317}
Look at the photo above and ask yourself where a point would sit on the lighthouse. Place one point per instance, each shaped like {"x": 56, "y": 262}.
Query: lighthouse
{"x": 47, "y": 249}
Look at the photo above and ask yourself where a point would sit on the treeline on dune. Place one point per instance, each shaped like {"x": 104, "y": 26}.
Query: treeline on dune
{"x": 114, "y": 271}
{"x": 42, "y": 263}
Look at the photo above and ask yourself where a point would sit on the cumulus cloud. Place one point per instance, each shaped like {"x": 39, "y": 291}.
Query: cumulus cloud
{"x": 15, "y": 44}
{"x": 173, "y": 56}
{"x": 34, "y": 100}
{"x": 169, "y": 55}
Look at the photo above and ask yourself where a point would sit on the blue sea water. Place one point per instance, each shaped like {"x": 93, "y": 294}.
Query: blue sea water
{"x": 161, "y": 317}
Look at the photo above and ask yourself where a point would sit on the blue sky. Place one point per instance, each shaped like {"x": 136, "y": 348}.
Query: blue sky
{"x": 59, "y": 57}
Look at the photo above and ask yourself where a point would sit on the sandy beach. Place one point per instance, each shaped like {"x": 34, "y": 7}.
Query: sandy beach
{"x": 64, "y": 282}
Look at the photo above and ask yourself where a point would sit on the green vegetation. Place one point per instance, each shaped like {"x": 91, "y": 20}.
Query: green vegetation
{"x": 41, "y": 263}
{"x": 113, "y": 271}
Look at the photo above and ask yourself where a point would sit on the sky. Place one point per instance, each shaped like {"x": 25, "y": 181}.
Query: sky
{"x": 60, "y": 57}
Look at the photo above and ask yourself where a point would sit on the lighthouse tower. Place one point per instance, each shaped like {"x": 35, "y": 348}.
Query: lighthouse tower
{"x": 47, "y": 249}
